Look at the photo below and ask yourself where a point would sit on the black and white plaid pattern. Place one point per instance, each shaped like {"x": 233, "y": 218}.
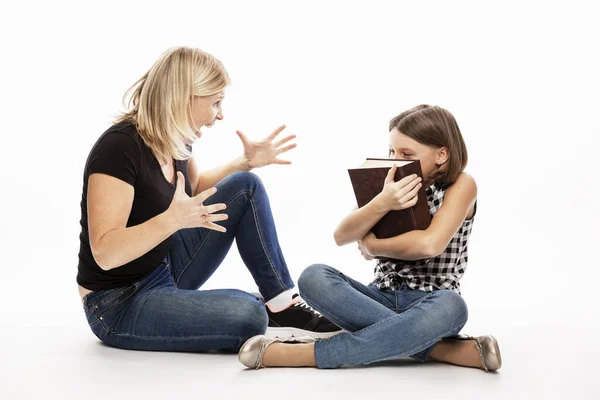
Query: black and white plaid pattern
{"x": 441, "y": 272}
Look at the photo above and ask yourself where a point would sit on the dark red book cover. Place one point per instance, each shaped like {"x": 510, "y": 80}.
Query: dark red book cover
{"x": 367, "y": 182}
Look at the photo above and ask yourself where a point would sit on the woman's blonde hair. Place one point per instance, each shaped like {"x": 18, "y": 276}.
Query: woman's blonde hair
{"x": 159, "y": 102}
{"x": 436, "y": 127}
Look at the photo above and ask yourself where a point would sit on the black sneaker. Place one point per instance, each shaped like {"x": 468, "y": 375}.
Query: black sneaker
{"x": 300, "y": 322}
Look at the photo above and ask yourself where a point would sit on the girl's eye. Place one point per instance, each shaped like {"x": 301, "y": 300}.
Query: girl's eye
{"x": 406, "y": 155}
{"x": 217, "y": 103}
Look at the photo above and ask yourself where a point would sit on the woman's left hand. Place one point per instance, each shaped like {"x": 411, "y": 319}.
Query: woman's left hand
{"x": 265, "y": 152}
{"x": 364, "y": 245}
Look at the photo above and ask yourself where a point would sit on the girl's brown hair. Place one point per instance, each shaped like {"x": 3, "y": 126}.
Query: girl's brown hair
{"x": 436, "y": 127}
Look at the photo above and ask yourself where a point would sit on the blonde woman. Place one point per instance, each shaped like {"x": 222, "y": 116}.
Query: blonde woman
{"x": 154, "y": 228}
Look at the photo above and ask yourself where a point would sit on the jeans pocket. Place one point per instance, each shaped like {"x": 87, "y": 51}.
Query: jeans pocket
{"x": 105, "y": 308}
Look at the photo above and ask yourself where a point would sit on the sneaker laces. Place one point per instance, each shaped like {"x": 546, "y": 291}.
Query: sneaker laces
{"x": 304, "y": 305}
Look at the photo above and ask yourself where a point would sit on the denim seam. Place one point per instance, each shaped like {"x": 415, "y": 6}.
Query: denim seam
{"x": 377, "y": 323}
{"x": 278, "y": 292}
{"x": 95, "y": 311}
{"x": 341, "y": 275}
{"x": 416, "y": 303}
{"x": 414, "y": 351}
{"x": 408, "y": 353}
{"x": 386, "y": 319}
{"x": 139, "y": 307}
{"x": 175, "y": 338}
{"x": 366, "y": 294}
{"x": 116, "y": 303}
{"x": 262, "y": 242}
{"x": 101, "y": 297}
{"x": 204, "y": 241}
{"x": 422, "y": 347}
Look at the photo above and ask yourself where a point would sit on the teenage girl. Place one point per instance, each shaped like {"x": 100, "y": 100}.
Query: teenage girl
{"x": 413, "y": 307}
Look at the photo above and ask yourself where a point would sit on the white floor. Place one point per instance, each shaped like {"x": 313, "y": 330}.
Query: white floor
{"x": 543, "y": 309}
{"x": 521, "y": 79}
{"x": 66, "y": 361}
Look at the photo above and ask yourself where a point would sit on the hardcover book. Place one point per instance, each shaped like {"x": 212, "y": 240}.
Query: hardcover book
{"x": 368, "y": 180}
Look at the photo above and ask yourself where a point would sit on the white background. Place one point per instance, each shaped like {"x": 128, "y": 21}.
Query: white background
{"x": 521, "y": 79}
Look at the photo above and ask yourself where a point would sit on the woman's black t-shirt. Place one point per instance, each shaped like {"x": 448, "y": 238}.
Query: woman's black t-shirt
{"x": 121, "y": 152}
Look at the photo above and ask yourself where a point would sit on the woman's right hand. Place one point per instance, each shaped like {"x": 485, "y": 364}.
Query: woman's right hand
{"x": 190, "y": 212}
{"x": 399, "y": 195}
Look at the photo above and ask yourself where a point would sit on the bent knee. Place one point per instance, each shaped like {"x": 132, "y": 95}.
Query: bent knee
{"x": 314, "y": 279}
{"x": 454, "y": 306}
{"x": 245, "y": 178}
{"x": 250, "y": 316}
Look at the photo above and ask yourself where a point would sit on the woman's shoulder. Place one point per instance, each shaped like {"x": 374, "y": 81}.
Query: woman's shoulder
{"x": 118, "y": 153}
{"x": 125, "y": 128}
{"x": 118, "y": 137}
{"x": 119, "y": 143}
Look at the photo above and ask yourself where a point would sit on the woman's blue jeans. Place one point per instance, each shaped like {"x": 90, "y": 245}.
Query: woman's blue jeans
{"x": 165, "y": 311}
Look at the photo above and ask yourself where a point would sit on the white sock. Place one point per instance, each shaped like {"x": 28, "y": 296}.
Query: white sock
{"x": 281, "y": 301}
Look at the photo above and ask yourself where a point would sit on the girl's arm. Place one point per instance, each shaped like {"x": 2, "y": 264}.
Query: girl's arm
{"x": 394, "y": 196}
{"x": 418, "y": 244}
{"x": 356, "y": 224}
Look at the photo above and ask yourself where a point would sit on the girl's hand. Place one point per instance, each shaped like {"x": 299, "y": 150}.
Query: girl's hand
{"x": 265, "y": 152}
{"x": 364, "y": 245}
{"x": 398, "y": 195}
{"x": 190, "y": 212}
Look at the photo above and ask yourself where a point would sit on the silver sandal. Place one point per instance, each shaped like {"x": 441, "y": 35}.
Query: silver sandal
{"x": 489, "y": 351}
{"x": 252, "y": 352}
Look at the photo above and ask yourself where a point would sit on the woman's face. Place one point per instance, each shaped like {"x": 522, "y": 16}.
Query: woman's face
{"x": 403, "y": 147}
{"x": 205, "y": 110}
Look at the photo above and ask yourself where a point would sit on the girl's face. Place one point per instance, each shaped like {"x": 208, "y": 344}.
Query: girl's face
{"x": 205, "y": 111}
{"x": 404, "y": 148}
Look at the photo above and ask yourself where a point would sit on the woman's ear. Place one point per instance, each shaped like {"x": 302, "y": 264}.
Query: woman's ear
{"x": 441, "y": 156}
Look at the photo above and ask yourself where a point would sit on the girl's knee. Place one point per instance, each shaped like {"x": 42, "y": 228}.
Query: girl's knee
{"x": 454, "y": 307}
{"x": 314, "y": 278}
